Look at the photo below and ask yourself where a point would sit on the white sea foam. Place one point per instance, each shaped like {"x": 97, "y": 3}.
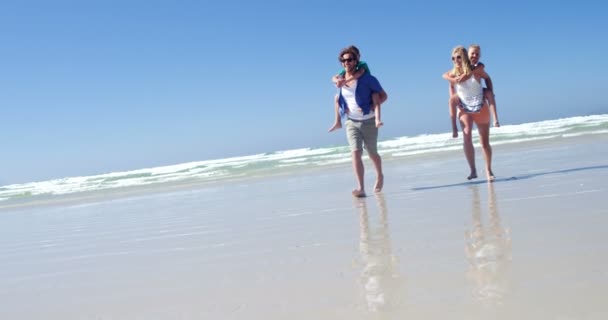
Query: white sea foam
{"x": 267, "y": 163}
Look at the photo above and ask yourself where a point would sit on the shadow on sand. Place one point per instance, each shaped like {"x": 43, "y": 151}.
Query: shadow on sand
{"x": 528, "y": 176}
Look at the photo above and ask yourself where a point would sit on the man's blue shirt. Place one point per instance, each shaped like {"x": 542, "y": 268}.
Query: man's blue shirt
{"x": 366, "y": 85}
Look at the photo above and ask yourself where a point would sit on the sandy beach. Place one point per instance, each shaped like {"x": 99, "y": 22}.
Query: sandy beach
{"x": 531, "y": 245}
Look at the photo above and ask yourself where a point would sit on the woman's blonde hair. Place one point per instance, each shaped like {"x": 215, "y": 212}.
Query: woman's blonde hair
{"x": 466, "y": 63}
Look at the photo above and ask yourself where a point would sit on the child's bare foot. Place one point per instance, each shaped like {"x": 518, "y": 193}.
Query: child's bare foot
{"x": 358, "y": 193}
{"x": 454, "y": 133}
{"x": 473, "y": 175}
{"x": 337, "y": 125}
{"x": 379, "y": 183}
{"x": 379, "y": 123}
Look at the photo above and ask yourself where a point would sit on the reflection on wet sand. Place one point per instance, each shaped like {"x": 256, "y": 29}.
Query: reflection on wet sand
{"x": 488, "y": 249}
{"x": 380, "y": 281}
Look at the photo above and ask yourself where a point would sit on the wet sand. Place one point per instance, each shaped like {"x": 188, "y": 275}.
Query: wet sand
{"x": 531, "y": 245}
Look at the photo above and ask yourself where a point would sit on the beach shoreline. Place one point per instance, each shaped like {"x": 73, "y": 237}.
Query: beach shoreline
{"x": 159, "y": 188}
{"x": 529, "y": 245}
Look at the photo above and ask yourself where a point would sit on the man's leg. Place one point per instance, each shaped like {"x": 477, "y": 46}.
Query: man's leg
{"x": 355, "y": 142}
{"x": 359, "y": 174}
{"x": 377, "y": 161}
{"x": 370, "y": 139}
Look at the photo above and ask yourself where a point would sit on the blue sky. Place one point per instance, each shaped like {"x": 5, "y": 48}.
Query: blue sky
{"x": 90, "y": 87}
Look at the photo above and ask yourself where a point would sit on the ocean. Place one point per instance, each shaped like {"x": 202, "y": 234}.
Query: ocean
{"x": 289, "y": 160}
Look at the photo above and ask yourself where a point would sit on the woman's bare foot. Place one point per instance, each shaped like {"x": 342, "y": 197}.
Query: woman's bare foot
{"x": 379, "y": 123}
{"x": 379, "y": 183}
{"x": 490, "y": 175}
{"x": 358, "y": 193}
{"x": 337, "y": 125}
{"x": 473, "y": 175}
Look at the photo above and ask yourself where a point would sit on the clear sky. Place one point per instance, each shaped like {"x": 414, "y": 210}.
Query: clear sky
{"x": 90, "y": 87}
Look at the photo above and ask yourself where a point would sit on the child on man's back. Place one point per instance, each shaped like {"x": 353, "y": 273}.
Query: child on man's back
{"x": 340, "y": 81}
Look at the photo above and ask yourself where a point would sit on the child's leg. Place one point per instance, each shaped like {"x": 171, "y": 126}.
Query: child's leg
{"x": 453, "y": 109}
{"x": 489, "y": 95}
{"x": 376, "y": 106}
{"x": 337, "y": 121}
{"x": 378, "y": 115}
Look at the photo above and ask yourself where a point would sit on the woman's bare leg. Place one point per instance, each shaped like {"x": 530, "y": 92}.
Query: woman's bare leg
{"x": 484, "y": 138}
{"x": 466, "y": 122}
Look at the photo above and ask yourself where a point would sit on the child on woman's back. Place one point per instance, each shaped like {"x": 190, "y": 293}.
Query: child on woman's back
{"x": 488, "y": 91}
{"x": 474, "y": 54}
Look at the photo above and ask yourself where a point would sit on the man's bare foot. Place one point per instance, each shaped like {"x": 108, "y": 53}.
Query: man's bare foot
{"x": 473, "y": 175}
{"x": 337, "y": 125}
{"x": 379, "y": 124}
{"x": 358, "y": 193}
{"x": 379, "y": 183}
{"x": 490, "y": 175}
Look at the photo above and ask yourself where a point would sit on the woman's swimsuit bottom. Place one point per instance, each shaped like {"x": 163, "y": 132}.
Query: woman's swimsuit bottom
{"x": 470, "y": 109}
